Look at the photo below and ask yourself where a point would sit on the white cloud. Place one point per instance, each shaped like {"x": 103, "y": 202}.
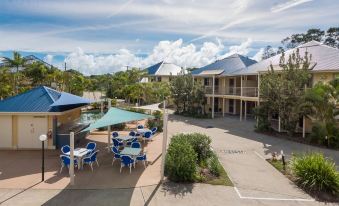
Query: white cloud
{"x": 287, "y": 5}
{"x": 243, "y": 48}
{"x": 170, "y": 51}
{"x": 48, "y": 58}
{"x": 258, "y": 56}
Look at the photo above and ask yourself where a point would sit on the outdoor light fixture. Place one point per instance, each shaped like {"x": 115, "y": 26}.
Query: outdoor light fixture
{"x": 43, "y": 138}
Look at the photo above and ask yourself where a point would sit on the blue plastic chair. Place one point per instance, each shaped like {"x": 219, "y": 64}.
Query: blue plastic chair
{"x": 115, "y": 134}
{"x": 132, "y": 133}
{"x": 148, "y": 136}
{"x": 65, "y": 149}
{"x": 143, "y": 158}
{"x": 140, "y": 126}
{"x": 127, "y": 161}
{"x": 116, "y": 154}
{"x": 117, "y": 143}
{"x": 131, "y": 141}
{"x": 91, "y": 159}
{"x": 66, "y": 161}
{"x": 154, "y": 130}
{"x": 135, "y": 145}
{"x": 91, "y": 146}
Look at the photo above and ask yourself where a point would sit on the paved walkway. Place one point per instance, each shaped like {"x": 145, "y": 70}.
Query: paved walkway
{"x": 241, "y": 152}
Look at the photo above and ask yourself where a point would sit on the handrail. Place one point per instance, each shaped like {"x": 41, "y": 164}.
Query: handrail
{"x": 236, "y": 91}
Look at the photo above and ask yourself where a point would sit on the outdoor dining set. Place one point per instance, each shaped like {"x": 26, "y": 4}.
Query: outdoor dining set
{"x": 127, "y": 149}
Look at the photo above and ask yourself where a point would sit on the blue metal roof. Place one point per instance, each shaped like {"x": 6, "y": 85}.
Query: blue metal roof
{"x": 229, "y": 64}
{"x": 41, "y": 99}
{"x": 153, "y": 69}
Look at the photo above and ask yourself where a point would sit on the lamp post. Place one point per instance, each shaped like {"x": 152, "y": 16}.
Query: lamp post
{"x": 43, "y": 138}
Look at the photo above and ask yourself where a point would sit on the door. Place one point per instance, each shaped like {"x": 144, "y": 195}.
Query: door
{"x": 231, "y": 86}
{"x": 231, "y": 106}
{"x": 216, "y": 104}
{"x": 6, "y": 131}
{"x": 29, "y": 130}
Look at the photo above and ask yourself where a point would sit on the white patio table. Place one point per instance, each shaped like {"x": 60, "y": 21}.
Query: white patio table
{"x": 125, "y": 138}
{"x": 79, "y": 153}
{"x": 142, "y": 131}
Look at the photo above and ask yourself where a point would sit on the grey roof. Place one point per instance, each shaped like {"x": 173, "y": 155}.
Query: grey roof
{"x": 323, "y": 58}
{"x": 228, "y": 65}
{"x": 164, "y": 69}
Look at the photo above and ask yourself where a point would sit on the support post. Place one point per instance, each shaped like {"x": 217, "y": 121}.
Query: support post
{"x": 240, "y": 110}
{"x": 164, "y": 143}
{"x": 304, "y": 129}
{"x": 213, "y": 83}
{"x": 71, "y": 166}
{"x": 43, "y": 161}
{"x": 102, "y": 107}
{"x": 245, "y": 110}
{"x": 109, "y": 128}
{"x": 240, "y": 85}
{"x": 279, "y": 124}
{"x": 223, "y": 107}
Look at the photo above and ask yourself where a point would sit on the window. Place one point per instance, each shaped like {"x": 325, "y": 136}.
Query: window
{"x": 206, "y": 81}
{"x": 158, "y": 79}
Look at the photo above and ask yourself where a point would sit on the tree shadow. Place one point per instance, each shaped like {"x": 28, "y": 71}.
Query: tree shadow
{"x": 245, "y": 130}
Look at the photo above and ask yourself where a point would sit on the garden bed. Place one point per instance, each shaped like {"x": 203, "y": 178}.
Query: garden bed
{"x": 298, "y": 139}
{"x": 191, "y": 159}
{"x": 318, "y": 195}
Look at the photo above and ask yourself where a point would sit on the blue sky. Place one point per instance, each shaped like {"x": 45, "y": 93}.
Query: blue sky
{"x": 104, "y": 36}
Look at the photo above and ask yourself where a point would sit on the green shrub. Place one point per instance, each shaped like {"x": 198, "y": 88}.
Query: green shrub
{"x": 320, "y": 132}
{"x": 180, "y": 165}
{"x": 201, "y": 144}
{"x": 315, "y": 173}
{"x": 214, "y": 165}
{"x": 155, "y": 123}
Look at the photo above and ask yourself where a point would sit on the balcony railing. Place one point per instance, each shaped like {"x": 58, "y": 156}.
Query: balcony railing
{"x": 236, "y": 91}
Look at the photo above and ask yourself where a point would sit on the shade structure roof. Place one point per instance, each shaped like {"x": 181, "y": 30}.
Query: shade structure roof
{"x": 42, "y": 99}
{"x": 117, "y": 116}
{"x": 69, "y": 99}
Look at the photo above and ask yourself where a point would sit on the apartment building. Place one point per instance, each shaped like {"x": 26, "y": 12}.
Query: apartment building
{"x": 232, "y": 84}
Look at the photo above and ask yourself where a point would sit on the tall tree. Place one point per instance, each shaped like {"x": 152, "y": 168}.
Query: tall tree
{"x": 282, "y": 90}
{"x": 332, "y": 37}
{"x": 17, "y": 62}
{"x": 268, "y": 52}
{"x": 6, "y": 79}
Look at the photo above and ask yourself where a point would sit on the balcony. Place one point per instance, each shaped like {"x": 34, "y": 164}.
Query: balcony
{"x": 236, "y": 91}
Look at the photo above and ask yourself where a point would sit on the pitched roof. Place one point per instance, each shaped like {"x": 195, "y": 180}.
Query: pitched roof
{"x": 42, "y": 99}
{"x": 228, "y": 65}
{"x": 163, "y": 68}
{"x": 323, "y": 58}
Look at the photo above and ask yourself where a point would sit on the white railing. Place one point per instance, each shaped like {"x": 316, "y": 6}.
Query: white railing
{"x": 236, "y": 91}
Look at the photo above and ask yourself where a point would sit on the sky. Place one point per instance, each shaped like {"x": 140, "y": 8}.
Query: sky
{"x": 105, "y": 36}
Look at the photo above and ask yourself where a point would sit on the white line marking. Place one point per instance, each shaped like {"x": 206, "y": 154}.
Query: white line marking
{"x": 261, "y": 157}
{"x": 272, "y": 198}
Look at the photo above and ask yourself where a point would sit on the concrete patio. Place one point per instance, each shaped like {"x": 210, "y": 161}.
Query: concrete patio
{"x": 22, "y": 169}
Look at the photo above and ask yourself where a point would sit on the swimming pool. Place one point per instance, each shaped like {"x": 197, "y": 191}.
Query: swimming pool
{"x": 89, "y": 117}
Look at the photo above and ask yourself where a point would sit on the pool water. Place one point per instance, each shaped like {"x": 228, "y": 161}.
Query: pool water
{"x": 90, "y": 117}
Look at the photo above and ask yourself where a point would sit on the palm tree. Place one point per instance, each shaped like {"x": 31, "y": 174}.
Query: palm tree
{"x": 321, "y": 102}
{"x": 16, "y": 62}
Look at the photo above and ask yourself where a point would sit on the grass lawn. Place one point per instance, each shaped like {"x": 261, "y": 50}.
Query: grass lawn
{"x": 278, "y": 165}
{"x": 222, "y": 179}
